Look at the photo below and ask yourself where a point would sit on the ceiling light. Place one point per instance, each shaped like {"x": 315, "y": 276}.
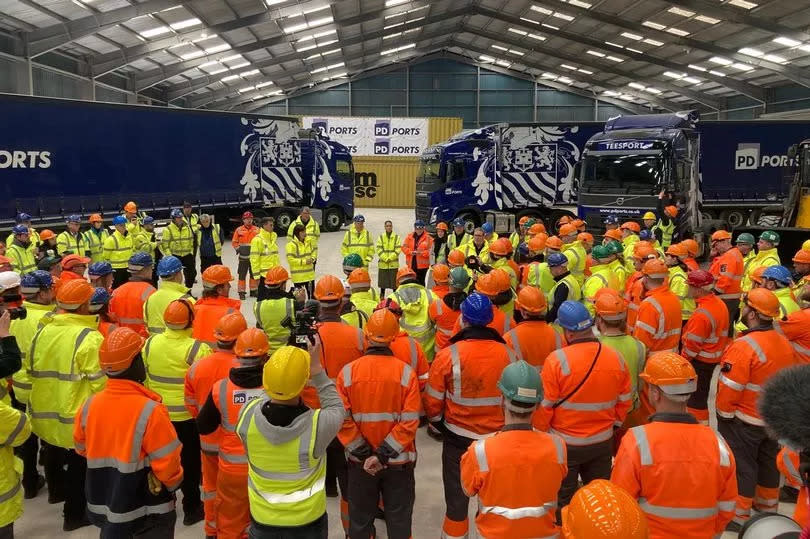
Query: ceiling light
{"x": 277, "y": 92}
{"x": 229, "y": 78}
{"x": 677, "y": 32}
{"x": 751, "y": 52}
{"x": 542, "y": 10}
{"x": 538, "y": 37}
{"x": 311, "y": 24}
{"x": 310, "y": 47}
{"x": 185, "y": 24}
{"x": 595, "y": 53}
{"x": 674, "y": 75}
{"x": 270, "y": 3}
{"x": 692, "y": 80}
{"x": 499, "y": 48}
{"x": 585, "y": 71}
{"x": 634, "y": 50}
{"x": 231, "y": 58}
{"x": 246, "y": 89}
{"x": 655, "y": 91}
{"x": 697, "y": 67}
{"x": 709, "y": 20}
{"x": 615, "y": 59}
{"x": 610, "y": 93}
{"x": 565, "y": 80}
{"x": 805, "y": 48}
{"x": 745, "y": 4}
{"x": 786, "y": 41}
{"x": 485, "y": 58}
{"x": 655, "y": 25}
{"x": 635, "y": 37}
{"x": 263, "y": 84}
{"x": 566, "y": 66}
{"x": 682, "y": 12}
{"x": 217, "y": 48}
{"x": 529, "y": 20}
{"x": 316, "y": 35}
{"x": 614, "y": 44}
{"x": 579, "y": 3}
{"x": 192, "y": 55}
{"x": 562, "y": 16}
{"x": 209, "y": 64}
{"x": 720, "y": 60}
{"x": 775, "y": 58}
{"x": 503, "y": 63}
{"x": 653, "y": 42}
{"x": 547, "y": 75}
{"x": 741, "y": 67}
{"x": 398, "y": 49}
{"x": 517, "y": 31}
{"x": 249, "y": 73}
{"x": 717, "y": 73}
{"x": 637, "y": 86}
{"x": 550, "y": 26}
{"x": 242, "y": 64}
{"x": 152, "y": 32}
{"x": 218, "y": 71}
{"x": 392, "y": 3}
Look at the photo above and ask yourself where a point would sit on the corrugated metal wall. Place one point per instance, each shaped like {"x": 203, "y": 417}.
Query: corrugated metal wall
{"x": 52, "y": 84}
{"x": 6, "y": 76}
{"x": 110, "y": 96}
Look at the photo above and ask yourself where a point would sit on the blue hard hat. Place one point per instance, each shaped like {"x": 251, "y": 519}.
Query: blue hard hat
{"x": 458, "y": 221}
{"x": 359, "y": 219}
{"x": 74, "y": 218}
{"x": 119, "y": 220}
{"x": 612, "y": 219}
{"x": 574, "y": 316}
{"x": 148, "y": 220}
{"x": 100, "y": 297}
{"x": 557, "y": 259}
{"x": 168, "y": 266}
{"x": 99, "y": 269}
{"x": 419, "y": 224}
{"x": 523, "y": 249}
{"x": 140, "y": 260}
{"x": 645, "y": 235}
{"x": 37, "y": 280}
{"x": 22, "y": 217}
{"x": 476, "y": 310}
{"x": 177, "y": 212}
{"x": 778, "y": 273}
{"x": 487, "y": 228}
{"x": 19, "y": 229}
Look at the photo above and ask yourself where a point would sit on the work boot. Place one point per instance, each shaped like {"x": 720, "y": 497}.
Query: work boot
{"x": 434, "y": 433}
{"x": 242, "y": 296}
{"x": 733, "y": 527}
{"x": 31, "y": 493}
{"x": 194, "y": 516}
{"x": 254, "y": 293}
{"x": 75, "y": 524}
{"x": 788, "y": 494}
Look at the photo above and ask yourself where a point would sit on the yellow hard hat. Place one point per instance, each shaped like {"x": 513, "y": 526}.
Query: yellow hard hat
{"x": 649, "y": 215}
{"x": 286, "y": 373}
{"x": 805, "y": 245}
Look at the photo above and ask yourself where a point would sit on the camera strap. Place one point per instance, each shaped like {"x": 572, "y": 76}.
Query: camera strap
{"x": 582, "y": 382}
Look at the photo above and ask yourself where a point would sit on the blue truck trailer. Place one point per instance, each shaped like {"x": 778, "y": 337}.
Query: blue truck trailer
{"x": 61, "y": 157}
{"x": 504, "y": 171}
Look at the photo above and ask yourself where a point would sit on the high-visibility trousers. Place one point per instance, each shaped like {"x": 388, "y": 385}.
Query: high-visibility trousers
{"x": 210, "y": 471}
{"x": 233, "y": 505}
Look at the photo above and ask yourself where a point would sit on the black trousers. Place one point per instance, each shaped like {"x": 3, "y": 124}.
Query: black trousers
{"x": 699, "y": 399}
{"x": 587, "y": 461}
{"x": 243, "y": 271}
{"x": 120, "y": 276}
{"x": 317, "y": 529}
{"x": 192, "y": 465}
{"x": 457, "y": 503}
{"x": 397, "y": 487}
{"x": 733, "y": 306}
{"x": 189, "y": 269}
{"x": 208, "y": 261}
{"x": 261, "y": 294}
{"x": 65, "y": 472}
{"x": 7, "y": 531}
{"x": 153, "y": 527}
{"x": 421, "y": 275}
{"x": 336, "y": 467}
{"x": 27, "y": 452}
{"x": 755, "y": 453}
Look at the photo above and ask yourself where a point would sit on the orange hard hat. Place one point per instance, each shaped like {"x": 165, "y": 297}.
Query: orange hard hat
{"x": 677, "y": 249}
{"x": 95, "y": 218}
{"x": 756, "y": 275}
{"x": 441, "y": 273}
{"x": 486, "y": 285}
{"x": 328, "y": 288}
{"x": 655, "y": 268}
{"x": 501, "y": 279}
{"x": 537, "y": 228}
{"x": 610, "y": 305}
{"x": 179, "y": 314}
{"x": 579, "y": 224}
{"x": 802, "y": 256}
{"x": 763, "y": 301}
{"x": 276, "y": 275}
{"x": 405, "y": 273}
{"x": 130, "y": 207}
{"x": 118, "y": 349}
{"x": 631, "y": 226}
{"x": 538, "y": 242}
{"x": 671, "y": 211}
{"x": 692, "y": 247}
{"x": 229, "y": 327}
{"x": 382, "y": 327}
{"x": 673, "y": 373}
{"x": 523, "y": 220}
{"x": 442, "y": 226}
{"x": 554, "y": 243}
{"x": 501, "y": 247}
{"x": 71, "y": 261}
{"x": 644, "y": 249}
{"x": 564, "y": 220}
{"x": 614, "y": 234}
{"x": 603, "y": 510}
{"x": 74, "y": 293}
{"x": 46, "y": 234}
{"x": 568, "y": 230}
{"x": 251, "y": 343}
{"x": 531, "y": 300}
{"x": 721, "y": 235}
{"x": 216, "y": 275}
{"x": 456, "y": 258}
{"x": 585, "y": 237}
{"x": 359, "y": 276}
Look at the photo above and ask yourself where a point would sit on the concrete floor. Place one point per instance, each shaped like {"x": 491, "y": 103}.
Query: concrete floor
{"x": 41, "y": 520}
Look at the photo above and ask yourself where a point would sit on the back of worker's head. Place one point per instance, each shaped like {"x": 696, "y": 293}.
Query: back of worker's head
{"x": 522, "y": 391}
{"x": 179, "y": 314}
{"x": 382, "y": 328}
{"x": 276, "y": 278}
{"x": 760, "y": 307}
{"x": 476, "y": 310}
{"x": 671, "y": 379}
{"x": 140, "y": 265}
{"x": 120, "y": 355}
{"x": 655, "y": 273}
{"x": 531, "y": 303}
{"x": 251, "y": 347}
{"x": 611, "y": 310}
{"x": 216, "y": 280}
{"x": 285, "y": 374}
{"x": 329, "y": 293}
{"x": 37, "y": 287}
{"x": 170, "y": 269}
{"x": 74, "y": 296}
{"x": 228, "y": 329}
{"x": 603, "y": 510}
{"x": 575, "y": 320}
{"x": 359, "y": 280}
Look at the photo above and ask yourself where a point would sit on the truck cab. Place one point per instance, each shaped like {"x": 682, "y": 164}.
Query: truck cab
{"x": 626, "y": 166}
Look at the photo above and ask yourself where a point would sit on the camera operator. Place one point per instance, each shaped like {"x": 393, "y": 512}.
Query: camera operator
{"x": 340, "y": 345}
{"x": 10, "y": 309}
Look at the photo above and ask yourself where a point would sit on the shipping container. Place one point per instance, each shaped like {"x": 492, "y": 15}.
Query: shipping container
{"x": 441, "y": 129}
{"x": 385, "y": 182}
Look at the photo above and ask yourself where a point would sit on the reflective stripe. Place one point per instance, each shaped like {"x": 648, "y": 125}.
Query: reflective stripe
{"x": 713, "y": 337}
{"x": 156, "y": 329}
{"x": 558, "y": 445}
{"x": 513, "y": 335}
{"x": 749, "y": 419}
{"x": 677, "y": 513}
{"x": 176, "y": 408}
{"x": 292, "y": 497}
{"x": 360, "y": 341}
{"x": 588, "y": 406}
{"x": 646, "y": 327}
{"x": 192, "y": 353}
{"x": 606, "y": 434}
{"x": 791, "y": 469}
{"x": 433, "y": 393}
{"x": 85, "y": 410}
{"x": 371, "y": 417}
{"x": 233, "y": 459}
{"x": 16, "y": 431}
{"x": 643, "y": 446}
{"x": 140, "y": 430}
{"x": 11, "y": 492}
{"x": 727, "y": 506}
{"x": 166, "y": 379}
{"x": 208, "y": 495}
{"x": 563, "y": 359}
{"x": 481, "y": 456}
{"x": 130, "y": 320}
{"x": 753, "y": 387}
{"x": 209, "y": 448}
{"x": 347, "y": 375}
{"x": 755, "y": 347}
{"x": 731, "y": 383}
{"x": 119, "y": 518}
{"x": 406, "y": 376}
{"x": 52, "y": 415}
{"x": 799, "y": 348}
{"x": 476, "y": 401}
{"x": 519, "y": 512}
{"x": 414, "y": 357}
{"x": 223, "y": 405}
{"x": 461, "y": 431}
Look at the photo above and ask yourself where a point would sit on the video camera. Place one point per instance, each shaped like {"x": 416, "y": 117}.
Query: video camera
{"x": 302, "y": 325}
{"x": 13, "y": 304}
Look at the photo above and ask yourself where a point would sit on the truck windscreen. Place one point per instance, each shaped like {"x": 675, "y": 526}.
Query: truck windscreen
{"x": 625, "y": 172}
{"x": 429, "y": 169}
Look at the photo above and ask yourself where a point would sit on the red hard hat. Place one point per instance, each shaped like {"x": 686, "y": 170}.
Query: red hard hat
{"x": 391, "y": 305}
{"x": 700, "y": 279}
{"x": 247, "y": 215}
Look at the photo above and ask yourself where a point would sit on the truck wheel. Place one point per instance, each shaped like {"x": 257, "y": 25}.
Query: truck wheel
{"x": 735, "y": 218}
{"x": 284, "y": 219}
{"x": 708, "y": 215}
{"x": 471, "y": 221}
{"x": 332, "y": 219}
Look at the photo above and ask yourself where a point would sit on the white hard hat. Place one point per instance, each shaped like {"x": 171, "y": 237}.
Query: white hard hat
{"x": 9, "y": 280}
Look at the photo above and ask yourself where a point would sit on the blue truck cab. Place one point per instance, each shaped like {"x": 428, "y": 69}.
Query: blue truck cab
{"x": 625, "y": 167}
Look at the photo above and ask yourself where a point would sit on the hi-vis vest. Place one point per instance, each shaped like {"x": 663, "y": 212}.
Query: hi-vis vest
{"x": 285, "y": 481}
{"x": 269, "y": 314}
{"x": 22, "y": 259}
{"x": 177, "y": 241}
{"x": 263, "y": 253}
{"x": 388, "y": 250}
{"x": 118, "y": 250}
{"x": 415, "y": 301}
{"x": 602, "y": 276}
{"x": 229, "y": 400}
{"x": 678, "y": 286}
{"x": 574, "y": 291}
{"x": 301, "y": 271}
{"x": 95, "y": 243}
{"x": 215, "y": 234}
{"x": 576, "y": 255}
{"x": 666, "y": 232}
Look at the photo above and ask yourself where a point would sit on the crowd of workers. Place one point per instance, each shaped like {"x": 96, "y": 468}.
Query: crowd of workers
{"x": 541, "y": 362}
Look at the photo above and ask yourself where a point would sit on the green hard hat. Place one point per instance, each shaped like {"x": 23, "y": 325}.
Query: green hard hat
{"x": 601, "y": 251}
{"x": 530, "y": 222}
{"x": 769, "y": 236}
{"x": 521, "y": 382}
{"x": 615, "y": 247}
{"x": 352, "y": 260}
{"x": 745, "y": 237}
{"x": 459, "y": 278}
